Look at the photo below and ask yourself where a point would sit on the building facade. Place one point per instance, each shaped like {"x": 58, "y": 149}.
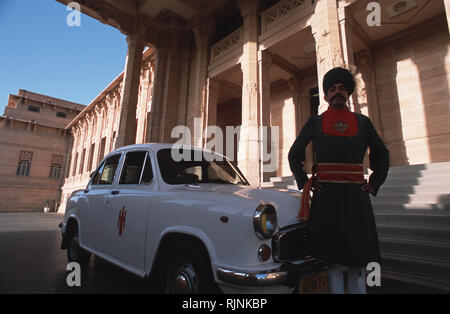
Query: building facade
{"x": 257, "y": 66}
{"x": 95, "y": 129}
{"x": 33, "y": 146}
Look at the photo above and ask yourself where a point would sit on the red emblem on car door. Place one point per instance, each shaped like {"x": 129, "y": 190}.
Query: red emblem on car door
{"x": 121, "y": 222}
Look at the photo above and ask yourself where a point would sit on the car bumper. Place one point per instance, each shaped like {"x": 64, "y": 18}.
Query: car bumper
{"x": 287, "y": 274}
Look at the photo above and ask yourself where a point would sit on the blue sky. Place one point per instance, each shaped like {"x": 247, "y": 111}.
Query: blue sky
{"x": 39, "y": 52}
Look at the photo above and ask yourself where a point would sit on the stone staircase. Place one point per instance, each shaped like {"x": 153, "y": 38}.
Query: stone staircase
{"x": 412, "y": 212}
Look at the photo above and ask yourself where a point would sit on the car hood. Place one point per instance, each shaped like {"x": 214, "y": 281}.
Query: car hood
{"x": 286, "y": 202}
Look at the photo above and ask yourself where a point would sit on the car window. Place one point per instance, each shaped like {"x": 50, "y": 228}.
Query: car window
{"x": 194, "y": 171}
{"x": 96, "y": 177}
{"x": 106, "y": 173}
{"x": 132, "y": 169}
{"x": 147, "y": 175}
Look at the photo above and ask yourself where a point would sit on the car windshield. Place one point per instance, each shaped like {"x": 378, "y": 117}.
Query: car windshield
{"x": 197, "y": 167}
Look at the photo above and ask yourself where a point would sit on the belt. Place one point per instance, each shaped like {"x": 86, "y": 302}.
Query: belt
{"x": 328, "y": 172}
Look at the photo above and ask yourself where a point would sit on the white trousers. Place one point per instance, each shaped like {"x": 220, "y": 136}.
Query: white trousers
{"x": 355, "y": 277}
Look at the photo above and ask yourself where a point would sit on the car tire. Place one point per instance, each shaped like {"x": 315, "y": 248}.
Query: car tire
{"x": 75, "y": 253}
{"x": 187, "y": 270}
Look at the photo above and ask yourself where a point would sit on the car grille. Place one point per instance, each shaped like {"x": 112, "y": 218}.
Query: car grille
{"x": 289, "y": 243}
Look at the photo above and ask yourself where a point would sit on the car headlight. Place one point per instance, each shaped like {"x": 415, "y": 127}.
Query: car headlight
{"x": 265, "y": 221}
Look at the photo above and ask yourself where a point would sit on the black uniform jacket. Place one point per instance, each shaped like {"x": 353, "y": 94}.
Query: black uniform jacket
{"x": 342, "y": 225}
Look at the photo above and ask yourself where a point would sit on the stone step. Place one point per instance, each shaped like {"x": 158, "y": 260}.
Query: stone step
{"x": 421, "y": 249}
{"x": 431, "y": 272}
{"x": 280, "y": 185}
{"x": 290, "y": 179}
{"x": 411, "y": 283}
{"x": 412, "y": 219}
{"x": 414, "y": 189}
{"x": 438, "y": 183}
{"x": 420, "y": 167}
{"x": 417, "y": 233}
{"x": 423, "y": 198}
{"x": 413, "y": 181}
{"x": 384, "y": 207}
{"x": 418, "y": 173}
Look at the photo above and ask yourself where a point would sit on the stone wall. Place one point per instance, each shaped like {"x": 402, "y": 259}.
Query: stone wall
{"x": 30, "y": 193}
{"x": 412, "y": 79}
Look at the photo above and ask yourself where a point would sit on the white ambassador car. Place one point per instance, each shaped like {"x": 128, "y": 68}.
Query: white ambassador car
{"x": 194, "y": 226}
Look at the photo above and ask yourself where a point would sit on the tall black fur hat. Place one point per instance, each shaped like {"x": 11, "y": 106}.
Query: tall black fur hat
{"x": 339, "y": 75}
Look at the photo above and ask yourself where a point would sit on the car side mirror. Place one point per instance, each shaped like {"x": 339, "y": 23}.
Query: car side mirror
{"x": 92, "y": 173}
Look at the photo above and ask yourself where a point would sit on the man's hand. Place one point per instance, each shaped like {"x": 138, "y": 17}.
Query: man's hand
{"x": 368, "y": 188}
{"x": 316, "y": 186}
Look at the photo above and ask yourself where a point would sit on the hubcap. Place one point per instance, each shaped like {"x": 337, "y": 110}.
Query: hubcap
{"x": 183, "y": 279}
{"x": 74, "y": 248}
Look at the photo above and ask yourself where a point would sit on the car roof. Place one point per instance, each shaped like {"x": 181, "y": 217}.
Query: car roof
{"x": 158, "y": 146}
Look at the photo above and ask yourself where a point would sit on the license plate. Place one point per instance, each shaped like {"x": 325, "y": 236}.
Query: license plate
{"x": 314, "y": 284}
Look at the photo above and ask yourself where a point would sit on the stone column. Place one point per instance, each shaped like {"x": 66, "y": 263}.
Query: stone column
{"x": 203, "y": 28}
{"x": 185, "y": 81}
{"x": 68, "y": 158}
{"x": 326, "y": 32}
{"x": 76, "y": 140}
{"x": 90, "y": 127}
{"x": 295, "y": 88}
{"x": 141, "y": 114}
{"x": 80, "y": 145}
{"x": 154, "y": 132}
{"x": 213, "y": 89}
{"x": 447, "y": 12}
{"x": 264, "y": 64}
{"x": 98, "y": 133}
{"x": 166, "y": 97}
{"x": 149, "y": 100}
{"x": 248, "y": 151}
{"x": 365, "y": 91}
{"x": 127, "y": 125}
{"x": 346, "y": 25}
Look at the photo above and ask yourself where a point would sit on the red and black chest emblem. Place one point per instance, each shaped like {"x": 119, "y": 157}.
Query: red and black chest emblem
{"x": 339, "y": 122}
{"x": 121, "y": 221}
{"x": 340, "y": 126}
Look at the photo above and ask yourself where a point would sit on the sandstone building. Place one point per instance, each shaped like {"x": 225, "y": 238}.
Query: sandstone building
{"x": 253, "y": 63}
{"x": 33, "y": 146}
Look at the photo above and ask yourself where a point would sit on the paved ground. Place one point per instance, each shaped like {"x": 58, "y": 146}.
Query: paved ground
{"x": 32, "y": 262}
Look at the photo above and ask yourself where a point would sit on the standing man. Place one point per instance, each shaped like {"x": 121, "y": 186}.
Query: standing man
{"x": 342, "y": 227}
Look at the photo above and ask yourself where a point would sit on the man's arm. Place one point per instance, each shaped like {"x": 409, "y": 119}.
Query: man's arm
{"x": 297, "y": 153}
{"x": 378, "y": 157}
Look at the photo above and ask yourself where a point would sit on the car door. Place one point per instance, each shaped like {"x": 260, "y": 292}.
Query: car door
{"x": 91, "y": 215}
{"x": 126, "y": 212}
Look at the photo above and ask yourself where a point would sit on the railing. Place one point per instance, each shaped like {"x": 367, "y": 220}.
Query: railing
{"x": 233, "y": 41}
{"x": 281, "y": 11}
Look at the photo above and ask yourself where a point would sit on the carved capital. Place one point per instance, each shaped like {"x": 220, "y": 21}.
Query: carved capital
{"x": 203, "y": 27}
{"x": 364, "y": 59}
{"x": 248, "y": 7}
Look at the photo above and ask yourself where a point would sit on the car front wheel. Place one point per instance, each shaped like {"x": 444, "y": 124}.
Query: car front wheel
{"x": 75, "y": 253}
{"x": 187, "y": 271}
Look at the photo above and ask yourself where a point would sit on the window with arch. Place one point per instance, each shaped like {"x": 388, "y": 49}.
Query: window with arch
{"x": 23, "y": 168}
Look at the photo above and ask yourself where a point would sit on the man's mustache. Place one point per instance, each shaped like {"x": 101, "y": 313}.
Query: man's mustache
{"x": 338, "y": 95}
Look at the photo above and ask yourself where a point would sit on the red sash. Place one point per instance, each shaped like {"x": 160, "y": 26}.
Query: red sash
{"x": 338, "y": 173}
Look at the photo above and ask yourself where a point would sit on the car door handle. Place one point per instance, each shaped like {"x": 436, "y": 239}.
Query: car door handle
{"x": 115, "y": 192}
